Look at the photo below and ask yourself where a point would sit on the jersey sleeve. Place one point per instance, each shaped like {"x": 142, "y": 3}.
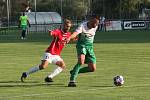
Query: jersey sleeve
{"x": 20, "y": 18}
{"x": 79, "y": 29}
{"x": 26, "y": 17}
{"x": 54, "y": 33}
{"x": 95, "y": 29}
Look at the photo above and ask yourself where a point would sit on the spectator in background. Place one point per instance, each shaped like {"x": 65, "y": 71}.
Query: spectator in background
{"x": 23, "y": 22}
{"x": 102, "y": 23}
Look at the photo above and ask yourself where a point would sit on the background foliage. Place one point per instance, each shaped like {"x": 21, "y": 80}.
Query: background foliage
{"x": 112, "y": 9}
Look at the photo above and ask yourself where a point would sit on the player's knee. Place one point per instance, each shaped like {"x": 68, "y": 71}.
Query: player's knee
{"x": 42, "y": 66}
{"x": 61, "y": 64}
{"x": 92, "y": 68}
{"x": 63, "y": 67}
{"x": 81, "y": 62}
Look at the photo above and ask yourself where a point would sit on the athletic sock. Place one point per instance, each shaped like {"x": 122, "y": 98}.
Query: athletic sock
{"x": 55, "y": 72}
{"x": 74, "y": 72}
{"x": 84, "y": 70}
{"x": 33, "y": 70}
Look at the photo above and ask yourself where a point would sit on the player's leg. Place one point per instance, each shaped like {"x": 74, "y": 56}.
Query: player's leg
{"x": 60, "y": 66}
{"x": 22, "y": 34}
{"x": 74, "y": 72}
{"x": 90, "y": 68}
{"x": 44, "y": 64}
{"x": 90, "y": 60}
{"x": 23, "y": 31}
{"x": 34, "y": 69}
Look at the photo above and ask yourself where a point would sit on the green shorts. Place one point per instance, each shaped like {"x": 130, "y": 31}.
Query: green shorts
{"x": 88, "y": 52}
{"x": 23, "y": 27}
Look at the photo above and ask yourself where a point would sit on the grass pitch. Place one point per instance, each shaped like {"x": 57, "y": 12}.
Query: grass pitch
{"x": 118, "y": 53}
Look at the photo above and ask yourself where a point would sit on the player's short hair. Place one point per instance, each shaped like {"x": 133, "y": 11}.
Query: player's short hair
{"x": 23, "y": 13}
{"x": 95, "y": 17}
{"x": 66, "y": 21}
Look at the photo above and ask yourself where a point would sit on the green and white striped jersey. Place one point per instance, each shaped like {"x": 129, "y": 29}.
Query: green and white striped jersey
{"x": 85, "y": 35}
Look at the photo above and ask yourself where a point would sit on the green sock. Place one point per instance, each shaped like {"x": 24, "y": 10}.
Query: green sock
{"x": 84, "y": 70}
{"x": 74, "y": 72}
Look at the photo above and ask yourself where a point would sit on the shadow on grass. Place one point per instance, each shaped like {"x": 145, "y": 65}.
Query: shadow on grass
{"x": 27, "y": 84}
{"x": 105, "y": 86}
{"x": 17, "y": 82}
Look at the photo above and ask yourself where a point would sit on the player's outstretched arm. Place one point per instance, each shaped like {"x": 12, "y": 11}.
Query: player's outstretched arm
{"x": 73, "y": 36}
{"x": 50, "y": 32}
{"x": 19, "y": 23}
{"x": 29, "y": 23}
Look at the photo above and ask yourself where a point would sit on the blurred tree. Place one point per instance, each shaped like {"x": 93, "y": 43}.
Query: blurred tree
{"x": 112, "y": 9}
{"x": 68, "y": 8}
{"x": 2, "y": 8}
{"x": 78, "y": 8}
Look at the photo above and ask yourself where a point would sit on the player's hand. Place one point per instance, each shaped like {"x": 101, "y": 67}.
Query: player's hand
{"x": 67, "y": 40}
{"x": 50, "y": 32}
{"x": 75, "y": 39}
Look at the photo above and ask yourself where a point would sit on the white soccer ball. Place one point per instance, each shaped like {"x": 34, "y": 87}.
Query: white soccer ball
{"x": 118, "y": 80}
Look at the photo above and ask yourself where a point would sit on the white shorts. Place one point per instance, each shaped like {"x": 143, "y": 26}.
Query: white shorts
{"x": 52, "y": 58}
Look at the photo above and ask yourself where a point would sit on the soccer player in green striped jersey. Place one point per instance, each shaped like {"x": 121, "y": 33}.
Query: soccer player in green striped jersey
{"x": 85, "y": 32}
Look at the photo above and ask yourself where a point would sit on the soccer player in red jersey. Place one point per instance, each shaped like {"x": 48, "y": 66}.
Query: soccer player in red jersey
{"x": 52, "y": 53}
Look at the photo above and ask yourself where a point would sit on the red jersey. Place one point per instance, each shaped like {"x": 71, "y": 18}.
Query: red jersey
{"x": 58, "y": 42}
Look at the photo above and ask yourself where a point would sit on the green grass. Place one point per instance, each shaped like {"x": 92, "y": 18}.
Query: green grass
{"x": 118, "y": 53}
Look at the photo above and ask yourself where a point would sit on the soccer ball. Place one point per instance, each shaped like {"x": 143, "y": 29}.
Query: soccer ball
{"x": 118, "y": 80}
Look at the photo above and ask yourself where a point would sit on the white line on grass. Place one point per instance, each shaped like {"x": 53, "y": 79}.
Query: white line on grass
{"x": 94, "y": 89}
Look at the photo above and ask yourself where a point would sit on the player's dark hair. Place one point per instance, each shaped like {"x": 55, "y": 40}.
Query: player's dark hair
{"x": 23, "y": 13}
{"x": 94, "y": 16}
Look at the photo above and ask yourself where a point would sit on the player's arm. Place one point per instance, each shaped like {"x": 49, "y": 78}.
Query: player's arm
{"x": 53, "y": 33}
{"x": 19, "y": 22}
{"x": 72, "y": 37}
{"x": 28, "y": 23}
{"x": 50, "y": 32}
